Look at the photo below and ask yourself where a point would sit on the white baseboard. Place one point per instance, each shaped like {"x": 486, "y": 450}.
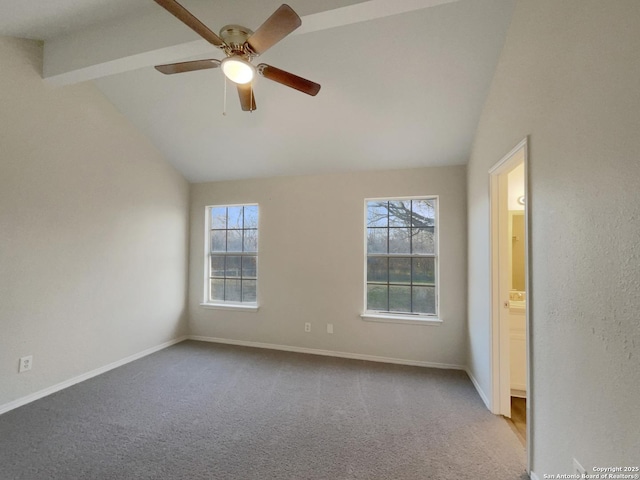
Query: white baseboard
{"x": 327, "y": 353}
{"x": 85, "y": 376}
{"x": 519, "y": 391}
{"x": 478, "y": 389}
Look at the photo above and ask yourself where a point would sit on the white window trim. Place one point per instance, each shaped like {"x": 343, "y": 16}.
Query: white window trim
{"x": 397, "y": 317}
{"x": 408, "y": 318}
{"x": 246, "y": 306}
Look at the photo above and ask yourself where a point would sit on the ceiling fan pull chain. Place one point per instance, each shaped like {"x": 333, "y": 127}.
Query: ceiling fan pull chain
{"x": 224, "y": 101}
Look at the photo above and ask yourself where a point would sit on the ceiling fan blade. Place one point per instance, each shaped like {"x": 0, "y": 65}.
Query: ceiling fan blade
{"x": 192, "y": 22}
{"x": 247, "y": 98}
{"x": 280, "y": 24}
{"x": 289, "y": 79}
{"x": 181, "y": 67}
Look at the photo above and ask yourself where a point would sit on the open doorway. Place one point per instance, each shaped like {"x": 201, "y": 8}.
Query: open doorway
{"x": 510, "y": 289}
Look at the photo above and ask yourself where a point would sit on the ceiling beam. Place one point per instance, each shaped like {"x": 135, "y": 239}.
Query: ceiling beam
{"x": 362, "y": 12}
{"x": 155, "y": 37}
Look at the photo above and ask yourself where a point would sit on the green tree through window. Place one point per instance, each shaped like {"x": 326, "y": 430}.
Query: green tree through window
{"x": 233, "y": 253}
{"x": 402, "y": 256}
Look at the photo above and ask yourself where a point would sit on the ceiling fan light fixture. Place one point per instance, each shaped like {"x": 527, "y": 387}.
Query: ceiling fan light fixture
{"x": 238, "y": 70}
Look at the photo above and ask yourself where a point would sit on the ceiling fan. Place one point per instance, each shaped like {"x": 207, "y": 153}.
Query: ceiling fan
{"x": 241, "y": 46}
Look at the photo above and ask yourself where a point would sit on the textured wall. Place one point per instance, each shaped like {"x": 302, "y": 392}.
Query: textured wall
{"x": 93, "y": 231}
{"x": 568, "y": 77}
{"x": 311, "y": 264}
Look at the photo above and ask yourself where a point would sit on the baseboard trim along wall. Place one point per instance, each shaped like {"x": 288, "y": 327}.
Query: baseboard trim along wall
{"x": 327, "y": 353}
{"x": 272, "y": 346}
{"x": 86, "y": 376}
{"x": 354, "y": 356}
{"x": 478, "y": 389}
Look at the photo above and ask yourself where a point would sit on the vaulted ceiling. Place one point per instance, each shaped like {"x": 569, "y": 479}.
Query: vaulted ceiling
{"x": 403, "y": 81}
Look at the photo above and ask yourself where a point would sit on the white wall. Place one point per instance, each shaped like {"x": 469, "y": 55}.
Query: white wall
{"x": 568, "y": 77}
{"x": 311, "y": 264}
{"x": 93, "y": 231}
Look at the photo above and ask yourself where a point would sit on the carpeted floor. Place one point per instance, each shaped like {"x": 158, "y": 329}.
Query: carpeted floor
{"x": 208, "y": 411}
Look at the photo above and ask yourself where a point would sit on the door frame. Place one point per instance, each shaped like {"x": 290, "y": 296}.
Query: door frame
{"x": 501, "y": 389}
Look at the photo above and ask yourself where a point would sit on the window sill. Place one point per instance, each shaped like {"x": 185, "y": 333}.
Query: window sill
{"x": 397, "y": 318}
{"x": 230, "y": 306}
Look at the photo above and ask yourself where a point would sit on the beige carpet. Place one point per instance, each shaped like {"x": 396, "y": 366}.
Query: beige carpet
{"x": 207, "y": 411}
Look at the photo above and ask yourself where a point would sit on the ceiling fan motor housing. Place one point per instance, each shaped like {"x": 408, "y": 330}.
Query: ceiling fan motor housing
{"x": 235, "y": 36}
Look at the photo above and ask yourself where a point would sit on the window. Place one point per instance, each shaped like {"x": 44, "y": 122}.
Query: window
{"x": 232, "y": 259}
{"x": 402, "y": 256}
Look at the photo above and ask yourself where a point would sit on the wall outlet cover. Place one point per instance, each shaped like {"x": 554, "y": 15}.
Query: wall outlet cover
{"x": 25, "y": 363}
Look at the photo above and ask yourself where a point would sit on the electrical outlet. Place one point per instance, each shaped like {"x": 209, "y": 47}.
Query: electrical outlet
{"x": 578, "y": 469}
{"x": 25, "y": 363}
{"x": 329, "y": 327}
{"x": 307, "y": 327}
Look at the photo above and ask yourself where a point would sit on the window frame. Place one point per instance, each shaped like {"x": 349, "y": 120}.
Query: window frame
{"x": 404, "y": 317}
{"x": 227, "y": 304}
